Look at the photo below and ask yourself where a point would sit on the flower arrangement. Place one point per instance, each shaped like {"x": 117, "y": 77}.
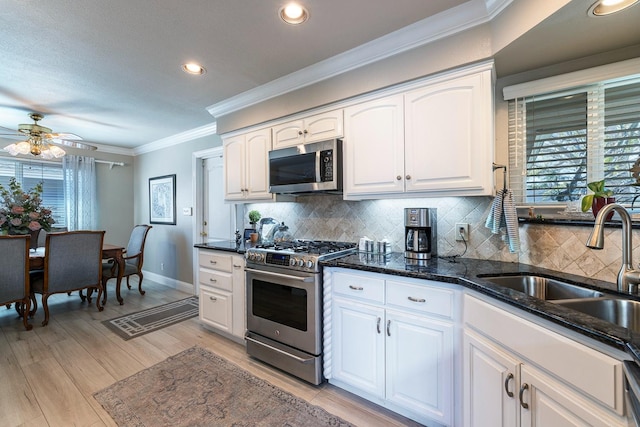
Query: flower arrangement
{"x": 22, "y": 212}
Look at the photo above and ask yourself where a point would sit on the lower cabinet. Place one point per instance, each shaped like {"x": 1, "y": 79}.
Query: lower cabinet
{"x": 392, "y": 342}
{"x": 518, "y": 374}
{"x": 221, "y": 290}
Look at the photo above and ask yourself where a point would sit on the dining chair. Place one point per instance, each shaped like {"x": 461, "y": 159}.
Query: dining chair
{"x": 133, "y": 259}
{"x": 72, "y": 262}
{"x": 14, "y": 274}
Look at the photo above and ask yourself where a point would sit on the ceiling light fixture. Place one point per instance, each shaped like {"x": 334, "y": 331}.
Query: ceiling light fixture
{"x": 193, "y": 68}
{"x": 38, "y": 142}
{"x": 607, "y": 7}
{"x": 293, "y": 13}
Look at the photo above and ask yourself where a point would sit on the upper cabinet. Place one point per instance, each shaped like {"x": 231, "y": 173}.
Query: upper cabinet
{"x": 433, "y": 140}
{"x": 308, "y": 129}
{"x": 246, "y": 166}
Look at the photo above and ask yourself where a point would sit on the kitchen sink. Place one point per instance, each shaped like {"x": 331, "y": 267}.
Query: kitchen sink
{"x": 622, "y": 312}
{"x": 543, "y": 287}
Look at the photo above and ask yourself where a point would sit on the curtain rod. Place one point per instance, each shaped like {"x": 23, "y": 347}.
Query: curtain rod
{"x": 111, "y": 164}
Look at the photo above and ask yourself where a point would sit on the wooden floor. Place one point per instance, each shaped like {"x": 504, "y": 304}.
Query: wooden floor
{"x": 49, "y": 374}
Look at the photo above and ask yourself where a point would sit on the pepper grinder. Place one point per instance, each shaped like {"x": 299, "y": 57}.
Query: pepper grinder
{"x": 238, "y": 238}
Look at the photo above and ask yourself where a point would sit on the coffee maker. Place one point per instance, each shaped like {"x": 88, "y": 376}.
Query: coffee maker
{"x": 420, "y": 234}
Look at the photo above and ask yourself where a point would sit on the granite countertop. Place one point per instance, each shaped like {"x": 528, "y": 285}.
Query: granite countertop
{"x": 465, "y": 271}
{"x": 224, "y": 245}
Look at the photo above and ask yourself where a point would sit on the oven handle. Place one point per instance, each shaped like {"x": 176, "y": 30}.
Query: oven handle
{"x": 270, "y": 347}
{"x": 284, "y": 276}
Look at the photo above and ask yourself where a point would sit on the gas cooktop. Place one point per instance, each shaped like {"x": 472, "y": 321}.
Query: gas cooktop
{"x": 302, "y": 255}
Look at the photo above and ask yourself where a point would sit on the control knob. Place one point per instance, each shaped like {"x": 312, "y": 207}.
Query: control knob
{"x": 310, "y": 264}
{"x": 300, "y": 262}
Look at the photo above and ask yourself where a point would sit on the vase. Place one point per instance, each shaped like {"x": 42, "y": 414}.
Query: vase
{"x": 599, "y": 203}
{"x": 33, "y": 242}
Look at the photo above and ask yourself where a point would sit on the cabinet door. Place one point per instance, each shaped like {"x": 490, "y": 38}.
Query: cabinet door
{"x": 323, "y": 126}
{"x": 258, "y": 144}
{"x": 449, "y": 142}
{"x": 490, "y": 382}
{"x": 234, "y": 168}
{"x": 239, "y": 306}
{"x": 288, "y": 134}
{"x": 358, "y": 346}
{"x": 419, "y": 355}
{"x": 215, "y": 308}
{"x": 551, "y": 403}
{"x": 374, "y": 147}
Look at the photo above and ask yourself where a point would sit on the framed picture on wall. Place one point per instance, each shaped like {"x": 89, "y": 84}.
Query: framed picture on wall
{"x": 162, "y": 200}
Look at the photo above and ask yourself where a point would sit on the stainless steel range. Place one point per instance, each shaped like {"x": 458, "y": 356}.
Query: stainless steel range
{"x": 284, "y": 304}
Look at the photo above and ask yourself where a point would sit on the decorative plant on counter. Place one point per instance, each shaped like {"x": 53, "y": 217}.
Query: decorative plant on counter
{"x": 254, "y": 217}
{"x": 23, "y": 213}
{"x": 598, "y": 198}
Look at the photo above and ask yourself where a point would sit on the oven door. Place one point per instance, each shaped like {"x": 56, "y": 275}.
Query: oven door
{"x": 285, "y": 307}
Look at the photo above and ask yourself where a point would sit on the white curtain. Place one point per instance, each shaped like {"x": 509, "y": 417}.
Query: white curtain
{"x": 80, "y": 192}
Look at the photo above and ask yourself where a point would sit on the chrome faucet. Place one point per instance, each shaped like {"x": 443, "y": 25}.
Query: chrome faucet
{"x": 627, "y": 275}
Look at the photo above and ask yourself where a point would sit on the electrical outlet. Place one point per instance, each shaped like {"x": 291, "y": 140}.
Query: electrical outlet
{"x": 462, "y": 231}
{"x": 162, "y": 266}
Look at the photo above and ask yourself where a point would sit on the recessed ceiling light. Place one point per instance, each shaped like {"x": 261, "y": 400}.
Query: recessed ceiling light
{"x": 293, "y": 13}
{"x": 607, "y": 7}
{"x": 193, "y": 68}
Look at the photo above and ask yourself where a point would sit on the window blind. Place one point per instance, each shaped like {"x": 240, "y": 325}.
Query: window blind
{"x": 30, "y": 173}
{"x": 559, "y": 142}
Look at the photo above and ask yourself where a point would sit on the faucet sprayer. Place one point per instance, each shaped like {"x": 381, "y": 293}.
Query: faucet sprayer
{"x": 627, "y": 275}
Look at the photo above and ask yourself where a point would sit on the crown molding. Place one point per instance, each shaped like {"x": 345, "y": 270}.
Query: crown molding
{"x": 444, "y": 24}
{"x": 176, "y": 139}
{"x": 112, "y": 149}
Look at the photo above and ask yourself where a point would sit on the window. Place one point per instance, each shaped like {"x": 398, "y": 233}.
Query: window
{"x": 29, "y": 173}
{"x": 560, "y": 141}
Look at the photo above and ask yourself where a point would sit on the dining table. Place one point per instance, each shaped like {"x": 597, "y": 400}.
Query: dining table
{"x": 109, "y": 251}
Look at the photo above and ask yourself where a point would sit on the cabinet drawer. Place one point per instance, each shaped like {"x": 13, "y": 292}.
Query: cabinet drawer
{"x": 216, "y": 279}
{"x": 216, "y": 308}
{"x": 421, "y": 298}
{"x": 215, "y": 261}
{"x": 359, "y": 286}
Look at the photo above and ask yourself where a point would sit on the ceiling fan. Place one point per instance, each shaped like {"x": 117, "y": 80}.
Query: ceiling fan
{"x": 41, "y": 141}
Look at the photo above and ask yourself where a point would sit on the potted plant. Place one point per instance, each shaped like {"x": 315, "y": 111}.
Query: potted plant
{"x": 598, "y": 198}
{"x": 254, "y": 217}
{"x": 22, "y": 212}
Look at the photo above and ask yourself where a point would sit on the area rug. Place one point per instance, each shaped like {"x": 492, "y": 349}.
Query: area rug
{"x": 142, "y": 322}
{"x": 199, "y": 388}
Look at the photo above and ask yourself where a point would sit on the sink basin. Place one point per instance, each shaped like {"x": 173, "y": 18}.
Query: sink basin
{"x": 622, "y": 312}
{"x": 543, "y": 287}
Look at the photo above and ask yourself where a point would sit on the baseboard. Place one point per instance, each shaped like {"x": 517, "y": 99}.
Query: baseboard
{"x": 168, "y": 281}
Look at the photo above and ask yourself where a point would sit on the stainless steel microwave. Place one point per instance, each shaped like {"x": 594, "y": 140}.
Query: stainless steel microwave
{"x": 306, "y": 168}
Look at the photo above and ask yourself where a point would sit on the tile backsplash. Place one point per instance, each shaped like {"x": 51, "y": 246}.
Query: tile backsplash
{"x": 557, "y": 247}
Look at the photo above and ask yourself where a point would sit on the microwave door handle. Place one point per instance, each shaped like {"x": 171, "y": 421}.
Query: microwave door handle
{"x": 284, "y": 276}
{"x": 318, "y": 166}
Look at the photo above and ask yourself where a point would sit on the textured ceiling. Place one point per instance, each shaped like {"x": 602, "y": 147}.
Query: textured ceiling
{"x": 109, "y": 71}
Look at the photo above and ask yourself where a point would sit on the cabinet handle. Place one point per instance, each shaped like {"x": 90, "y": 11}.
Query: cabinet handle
{"x": 408, "y": 177}
{"x": 506, "y": 384}
{"x": 300, "y": 132}
{"x": 212, "y": 280}
{"x": 213, "y": 298}
{"x": 378, "y": 325}
{"x": 524, "y": 387}
{"x": 212, "y": 261}
{"x": 237, "y": 266}
{"x": 356, "y": 288}
{"x": 399, "y": 177}
{"x": 417, "y": 299}
{"x": 388, "y": 328}
{"x": 306, "y": 131}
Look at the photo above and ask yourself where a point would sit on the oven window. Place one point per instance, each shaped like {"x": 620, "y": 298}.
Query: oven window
{"x": 281, "y": 304}
{"x": 298, "y": 169}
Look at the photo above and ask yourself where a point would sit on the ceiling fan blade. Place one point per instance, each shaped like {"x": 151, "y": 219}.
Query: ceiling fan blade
{"x": 72, "y": 144}
{"x": 64, "y": 135}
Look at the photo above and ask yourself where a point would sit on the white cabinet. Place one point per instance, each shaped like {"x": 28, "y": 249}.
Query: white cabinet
{"x": 436, "y": 139}
{"x": 314, "y": 128}
{"x": 517, "y": 373}
{"x": 392, "y": 341}
{"x": 221, "y": 289}
{"x": 246, "y": 166}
